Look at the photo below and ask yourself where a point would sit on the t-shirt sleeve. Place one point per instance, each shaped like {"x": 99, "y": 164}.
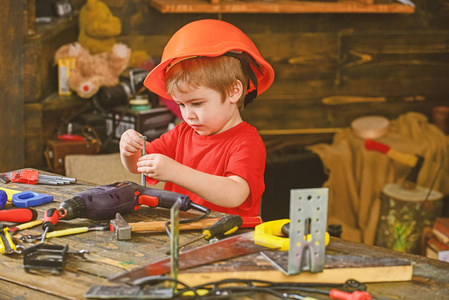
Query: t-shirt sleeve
{"x": 248, "y": 161}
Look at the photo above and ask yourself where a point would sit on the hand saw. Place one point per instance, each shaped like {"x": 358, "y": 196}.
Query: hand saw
{"x": 224, "y": 249}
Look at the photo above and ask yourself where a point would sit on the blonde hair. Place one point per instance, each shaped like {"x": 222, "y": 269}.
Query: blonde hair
{"x": 218, "y": 73}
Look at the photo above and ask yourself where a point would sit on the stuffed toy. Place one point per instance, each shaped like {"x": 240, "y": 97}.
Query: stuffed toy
{"x": 94, "y": 71}
{"x": 98, "y": 30}
{"x": 98, "y": 27}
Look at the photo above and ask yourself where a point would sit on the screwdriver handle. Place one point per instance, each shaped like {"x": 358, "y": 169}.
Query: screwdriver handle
{"x": 224, "y": 226}
{"x": 51, "y": 217}
{"x": 3, "y": 199}
{"x": 65, "y": 232}
{"x": 356, "y": 295}
{"x": 18, "y": 215}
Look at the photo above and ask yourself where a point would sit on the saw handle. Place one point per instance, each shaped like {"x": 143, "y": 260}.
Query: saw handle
{"x": 356, "y": 295}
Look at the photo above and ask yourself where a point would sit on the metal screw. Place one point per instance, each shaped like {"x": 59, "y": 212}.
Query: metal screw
{"x": 144, "y": 138}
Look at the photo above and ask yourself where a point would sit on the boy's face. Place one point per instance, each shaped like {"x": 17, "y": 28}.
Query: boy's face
{"x": 203, "y": 109}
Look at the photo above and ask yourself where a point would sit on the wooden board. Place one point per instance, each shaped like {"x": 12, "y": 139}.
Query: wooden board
{"x": 279, "y": 6}
{"x": 337, "y": 269}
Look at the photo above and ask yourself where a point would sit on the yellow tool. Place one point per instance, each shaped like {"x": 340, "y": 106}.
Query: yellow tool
{"x": 7, "y": 245}
{"x": 26, "y": 225}
{"x": 10, "y": 192}
{"x": 274, "y": 234}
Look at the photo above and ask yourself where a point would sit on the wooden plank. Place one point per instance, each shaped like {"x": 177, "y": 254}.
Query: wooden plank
{"x": 311, "y": 56}
{"x": 11, "y": 290}
{"x": 280, "y": 6}
{"x": 301, "y": 117}
{"x": 395, "y": 57}
{"x": 12, "y": 154}
{"x": 33, "y": 134}
{"x": 256, "y": 267}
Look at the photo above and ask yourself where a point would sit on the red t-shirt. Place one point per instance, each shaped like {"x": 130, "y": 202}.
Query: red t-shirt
{"x": 237, "y": 151}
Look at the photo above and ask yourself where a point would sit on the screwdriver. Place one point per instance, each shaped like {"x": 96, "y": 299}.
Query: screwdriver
{"x": 224, "y": 226}
{"x": 18, "y": 215}
{"x": 51, "y": 217}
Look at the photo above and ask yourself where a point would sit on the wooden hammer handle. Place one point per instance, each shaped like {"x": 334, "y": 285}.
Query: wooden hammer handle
{"x": 159, "y": 226}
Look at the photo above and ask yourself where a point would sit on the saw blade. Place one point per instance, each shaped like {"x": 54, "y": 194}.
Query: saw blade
{"x": 224, "y": 249}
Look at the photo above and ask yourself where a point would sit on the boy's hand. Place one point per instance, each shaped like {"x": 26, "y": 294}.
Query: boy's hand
{"x": 130, "y": 142}
{"x": 158, "y": 166}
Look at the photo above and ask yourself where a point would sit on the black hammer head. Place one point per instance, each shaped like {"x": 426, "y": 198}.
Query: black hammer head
{"x": 122, "y": 229}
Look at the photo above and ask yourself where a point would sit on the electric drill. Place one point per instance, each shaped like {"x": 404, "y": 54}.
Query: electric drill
{"x": 104, "y": 202}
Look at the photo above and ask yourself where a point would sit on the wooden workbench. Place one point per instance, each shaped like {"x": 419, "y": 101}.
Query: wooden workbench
{"x": 111, "y": 257}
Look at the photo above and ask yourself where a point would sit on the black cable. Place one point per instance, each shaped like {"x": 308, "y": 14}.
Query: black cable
{"x": 158, "y": 279}
{"x": 216, "y": 292}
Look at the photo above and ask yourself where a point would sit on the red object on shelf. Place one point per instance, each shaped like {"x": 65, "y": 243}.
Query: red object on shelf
{"x": 70, "y": 137}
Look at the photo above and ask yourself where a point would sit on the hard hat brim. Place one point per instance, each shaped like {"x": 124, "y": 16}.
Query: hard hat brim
{"x": 178, "y": 48}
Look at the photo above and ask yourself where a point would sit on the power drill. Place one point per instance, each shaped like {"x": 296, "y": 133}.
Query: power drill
{"x": 104, "y": 202}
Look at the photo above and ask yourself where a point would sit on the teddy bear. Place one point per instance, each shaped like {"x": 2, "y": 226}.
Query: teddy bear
{"x": 91, "y": 72}
{"x": 98, "y": 30}
{"x": 98, "y": 27}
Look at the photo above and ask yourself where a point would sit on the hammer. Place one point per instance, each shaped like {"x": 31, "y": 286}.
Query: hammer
{"x": 414, "y": 161}
{"x": 123, "y": 229}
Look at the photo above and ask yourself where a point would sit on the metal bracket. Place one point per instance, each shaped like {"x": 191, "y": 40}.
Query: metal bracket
{"x": 174, "y": 243}
{"x": 308, "y": 217}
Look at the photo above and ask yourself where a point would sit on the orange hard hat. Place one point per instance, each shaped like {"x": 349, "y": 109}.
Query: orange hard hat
{"x": 213, "y": 38}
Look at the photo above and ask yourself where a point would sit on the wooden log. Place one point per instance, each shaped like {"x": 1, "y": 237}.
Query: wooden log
{"x": 403, "y": 215}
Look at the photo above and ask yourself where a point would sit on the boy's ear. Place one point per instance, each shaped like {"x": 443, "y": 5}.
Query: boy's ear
{"x": 236, "y": 91}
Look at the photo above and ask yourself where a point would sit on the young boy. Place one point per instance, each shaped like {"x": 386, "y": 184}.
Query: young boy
{"x": 211, "y": 69}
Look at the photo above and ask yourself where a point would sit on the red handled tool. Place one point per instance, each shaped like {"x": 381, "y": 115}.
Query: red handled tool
{"x": 18, "y": 215}
{"x": 356, "y": 295}
{"x": 414, "y": 161}
{"x": 25, "y": 176}
{"x": 405, "y": 158}
{"x": 51, "y": 217}
{"x": 33, "y": 177}
{"x": 71, "y": 137}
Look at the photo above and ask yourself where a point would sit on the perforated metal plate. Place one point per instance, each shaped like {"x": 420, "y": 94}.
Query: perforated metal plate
{"x": 174, "y": 243}
{"x": 308, "y": 217}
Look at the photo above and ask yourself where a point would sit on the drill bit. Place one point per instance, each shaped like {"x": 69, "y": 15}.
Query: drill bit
{"x": 144, "y": 138}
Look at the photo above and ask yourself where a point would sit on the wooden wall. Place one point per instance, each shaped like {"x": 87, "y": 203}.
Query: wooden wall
{"x": 330, "y": 68}
{"x": 11, "y": 99}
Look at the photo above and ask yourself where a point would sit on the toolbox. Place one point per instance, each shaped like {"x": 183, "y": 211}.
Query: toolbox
{"x": 151, "y": 123}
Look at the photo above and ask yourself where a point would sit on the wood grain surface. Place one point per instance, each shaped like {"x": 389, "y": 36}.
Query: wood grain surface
{"x": 108, "y": 257}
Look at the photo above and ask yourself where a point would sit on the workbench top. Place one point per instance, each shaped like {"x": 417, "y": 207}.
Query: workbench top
{"x": 108, "y": 256}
